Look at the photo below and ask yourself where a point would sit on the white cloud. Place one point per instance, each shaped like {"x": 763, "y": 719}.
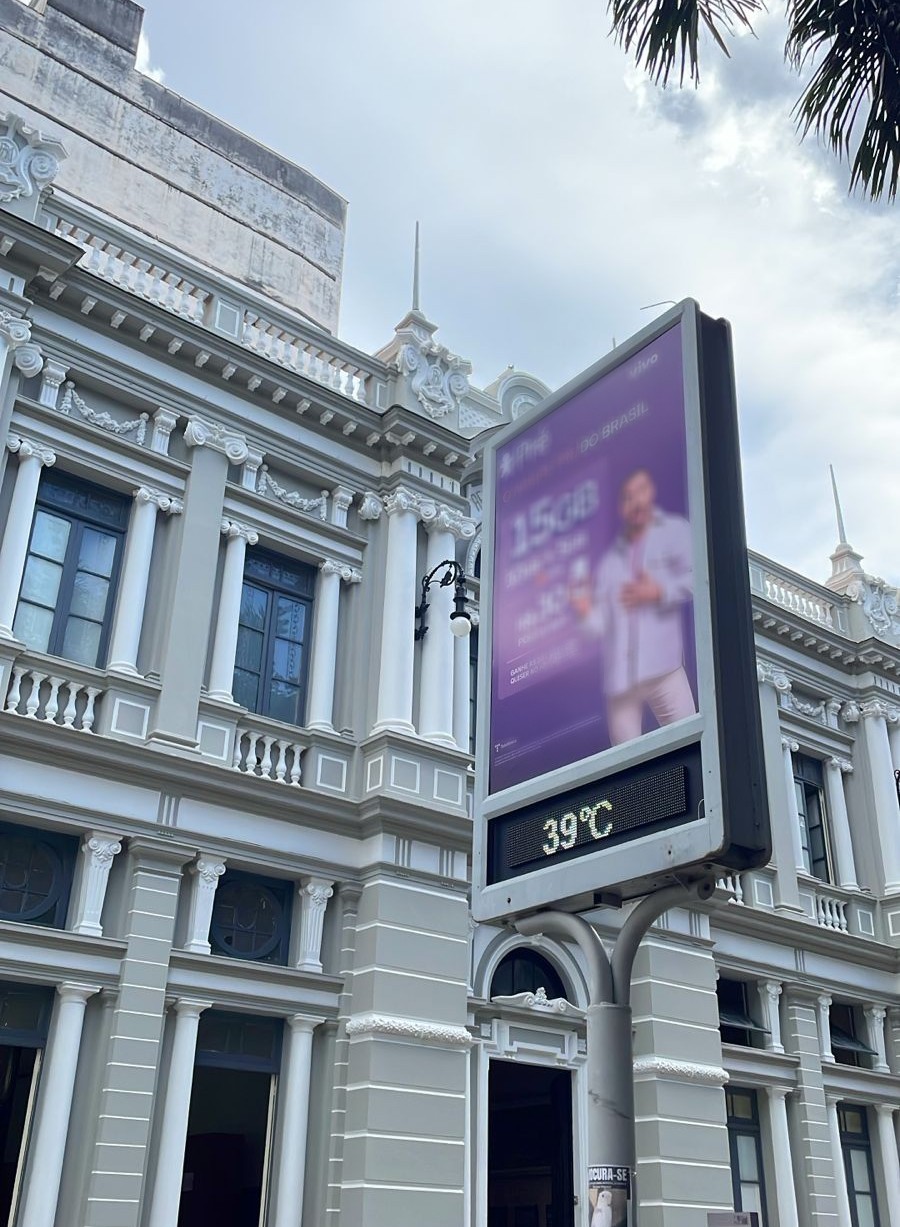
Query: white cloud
{"x": 143, "y": 62}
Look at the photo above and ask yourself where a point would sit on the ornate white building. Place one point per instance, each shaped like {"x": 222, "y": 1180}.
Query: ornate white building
{"x": 238, "y": 979}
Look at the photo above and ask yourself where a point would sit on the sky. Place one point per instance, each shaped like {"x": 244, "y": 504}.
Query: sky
{"x": 560, "y": 193}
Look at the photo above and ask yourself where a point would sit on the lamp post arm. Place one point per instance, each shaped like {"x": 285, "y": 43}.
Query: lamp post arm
{"x": 636, "y": 925}
{"x": 600, "y": 981}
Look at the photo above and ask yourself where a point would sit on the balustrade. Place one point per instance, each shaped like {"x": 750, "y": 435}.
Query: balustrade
{"x": 267, "y": 756}
{"x": 831, "y": 913}
{"x": 51, "y": 698}
{"x": 730, "y": 884}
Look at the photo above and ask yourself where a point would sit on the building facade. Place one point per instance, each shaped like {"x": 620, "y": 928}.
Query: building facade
{"x": 239, "y": 982}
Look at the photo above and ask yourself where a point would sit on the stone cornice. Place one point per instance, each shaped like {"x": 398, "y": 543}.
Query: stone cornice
{"x": 679, "y": 1071}
{"x": 394, "y": 1027}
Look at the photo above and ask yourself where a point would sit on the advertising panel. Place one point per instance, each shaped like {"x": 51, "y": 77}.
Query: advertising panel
{"x": 616, "y": 617}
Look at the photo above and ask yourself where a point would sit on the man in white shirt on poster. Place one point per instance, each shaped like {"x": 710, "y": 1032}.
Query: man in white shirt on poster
{"x": 642, "y": 585}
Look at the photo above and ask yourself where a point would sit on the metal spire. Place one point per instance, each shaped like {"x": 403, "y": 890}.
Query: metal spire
{"x": 415, "y": 300}
{"x": 842, "y": 533}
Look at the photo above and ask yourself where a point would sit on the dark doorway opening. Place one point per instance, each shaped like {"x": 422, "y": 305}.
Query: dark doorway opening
{"x": 227, "y": 1145}
{"x": 18, "y": 1079}
{"x": 530, "y": 1162}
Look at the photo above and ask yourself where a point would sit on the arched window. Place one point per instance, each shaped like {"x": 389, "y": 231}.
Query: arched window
{"x": 251, "y": 918}
{"x": 525, "y": 971}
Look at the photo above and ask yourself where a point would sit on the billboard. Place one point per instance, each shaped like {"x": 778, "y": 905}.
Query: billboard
{"x": 616, "y": 625}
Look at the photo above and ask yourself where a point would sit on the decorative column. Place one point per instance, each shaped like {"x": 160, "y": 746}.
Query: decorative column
{"x": 164, "y": 422}
{"x": 395, "y": 677}
{"x": 320, "y": 706}
{"x": 462, "y": 685}
{"x": 769, "y": 995}
{"x": 48, "y": 1145}
{"x": 890, "y": 1164}
{"x": 837, "y": 1161}
{"x": 313, "y": 895}
{"x": 436, "y": 681}
{"x": 15, "y": 339}
{"x": 875, "y": 714}
{"x": 205, "y": 873}
{"x": 875, "y": 1016}
{"x": 823, "y": 1014}
{"x": 289, "y": 1160}
{"x": 773, "y": 684}
{"x": 789, "y": 747}
{"x": 166, "y": 1195}
{"x": 14, "y": 550}
{"x": 52, "y": 377}
{"x": 97, "y": 853}
{"x": 835, "y": 770}
{"x": 129, "y": 617}
{"x": 785, "y": 1192}
{"x": 221, "y": 672}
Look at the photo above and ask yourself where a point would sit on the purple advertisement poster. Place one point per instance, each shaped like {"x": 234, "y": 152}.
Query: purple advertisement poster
{"x": 593, "y": 640}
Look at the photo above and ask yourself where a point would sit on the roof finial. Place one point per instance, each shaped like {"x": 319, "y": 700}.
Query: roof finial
{"x": 842, "y": 532}
{"x": 415, "y": 300}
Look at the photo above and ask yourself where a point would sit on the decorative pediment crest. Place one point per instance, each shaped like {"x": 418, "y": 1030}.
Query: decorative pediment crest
{"x": 29, "y": 161}
{"x": 880, "y": 603}
{"x": 541, "y": 1002}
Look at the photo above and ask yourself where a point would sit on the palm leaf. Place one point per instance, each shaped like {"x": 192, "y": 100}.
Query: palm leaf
{"x": 664, "y": 33}
{"x": 857, "y": 46}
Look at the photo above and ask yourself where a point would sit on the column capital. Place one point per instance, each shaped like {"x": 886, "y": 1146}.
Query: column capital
{"x": 163, "y": 502}
{"x": 71, "y": 990}
{"x": 317, "y": 890}
{"x": 190, "y": 1007}
{"x": 370, "y": 506}
{"x": 843, "y": 765}
{"x": 27, "y": 448}
{"x": 102, "y": 848}
{"x": 201, "y": 433}
{"x": 874, "y": 709}
{"x": 885, "y": 1110}
{"x": 52, "y": 377}
{"x": 876, "y": 1013}
{"x": 772, "y": 989}
{"x": 347, "y": 573}
{"x": 15, "y": 330}
{"x": 304, "y": 1022}
{"x": 208, "y": 870}
{"x": 450, "y": 520}
{"x": 788, "y": 743}
{"x": 779, "y": 1092}
{"x": 768, "y": 674}
{"x": 341, "y": 501}
{"x": 403, "y": 499}
{"x": 233, "y": 530}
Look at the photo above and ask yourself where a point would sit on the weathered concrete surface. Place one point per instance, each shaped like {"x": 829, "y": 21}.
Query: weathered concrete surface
{"x": 145, "y": 155}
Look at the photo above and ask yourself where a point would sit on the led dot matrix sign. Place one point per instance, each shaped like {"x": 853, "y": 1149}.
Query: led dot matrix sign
{"x": 619, "y": 743}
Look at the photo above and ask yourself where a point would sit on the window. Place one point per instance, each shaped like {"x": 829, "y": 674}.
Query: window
{"x": 736, "y": 1022}
{"x": 274, "y": 630}
{"x": 251, "y": 918}
{"x": 36, "y": 870}
{"x": 747, "y": 1180}
{"x": 810, "y": 789}
{"x": 525, "y": 971}
{"x": 854, "y": 1130}
{"x": 848, "y": 1049}
{"x": 68, "y": 587}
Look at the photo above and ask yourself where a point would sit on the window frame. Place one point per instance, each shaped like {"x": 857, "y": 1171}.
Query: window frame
{"x": 50, "y": 499}
{"x": 809, "y": 780}
{"x": 843, "y": 1036}
{"x": 861, "y": 1142}
{"x": 738, "y": 1017}
{"x": 257, "y": 562}
{"x": 752, "y": 1128}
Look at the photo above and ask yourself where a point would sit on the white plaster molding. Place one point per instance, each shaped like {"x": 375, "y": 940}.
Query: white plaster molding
{"x": 850, "y": 712}
{"x": 874, "y": 709}
{"x": 28, "y": 448}
{"x": 233, "y": 530}
{"x": 438, "y": 379}
{"x": 347, "y": 573}
{"x": 201, "y": 433}
{"x": 841, "y": 764}
{"x": 341, "y": 502}
{"x": 291, "y": 498}
{"x": 788, "y": 743}
{"x": 370, "y": 506}
{"x": 250, "y": 472}
{"x": 164, "y": 422}
{"x": 394, "y": 1027}
{"x": 541, "y": 1002}
{"x": 54, "y": 374}
{"x": 880, "y": 603}
{"x": 680, "y": 1071}
{"x": 450, "y": 520}
{"x": 808, "y": 707}
{"x": 29, "y": 160}
{"x": 771, "y": 675}
{"x": 105, "y": 421}
{"x": 163, "y": 502}
{"x": 16, "y": 332}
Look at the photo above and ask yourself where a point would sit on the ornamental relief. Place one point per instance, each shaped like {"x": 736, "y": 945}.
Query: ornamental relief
{"x": 439, "y": 379}
{"x": 29, "y": 161}
{"x": 880, "y": 603}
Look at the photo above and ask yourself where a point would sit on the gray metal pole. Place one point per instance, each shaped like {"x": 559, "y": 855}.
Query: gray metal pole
{"x": 610, "y": 1060}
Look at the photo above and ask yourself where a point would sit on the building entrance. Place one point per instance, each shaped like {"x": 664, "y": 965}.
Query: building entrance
{"x": 18, "y": 1079}
{"x": 530, "y": 1161}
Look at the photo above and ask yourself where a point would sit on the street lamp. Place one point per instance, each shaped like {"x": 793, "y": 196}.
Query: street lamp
{"x": 460, "y": 621}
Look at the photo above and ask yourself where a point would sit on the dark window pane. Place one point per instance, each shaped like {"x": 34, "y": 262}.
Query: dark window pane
{"x": 245, "y": 689}
{"x": 98, "y": 552}
{"x": 81, "y": 641}
{"x": 284, "y": 702}
{"x": 287, "y": 661}
{"x": 249, "y": 653}
{"x": 290, "y": 619}
{"x": 248, "y": 920}
{"x": 254, "y": 603}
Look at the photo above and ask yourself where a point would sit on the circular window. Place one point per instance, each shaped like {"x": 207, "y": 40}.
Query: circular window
{"x": 31, "y": 878}
{"x": 247, "y": 920}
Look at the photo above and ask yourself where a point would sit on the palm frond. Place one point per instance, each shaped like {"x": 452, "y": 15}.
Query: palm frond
{"x": 665, "y": 33}
{"x": 856, "y": 44}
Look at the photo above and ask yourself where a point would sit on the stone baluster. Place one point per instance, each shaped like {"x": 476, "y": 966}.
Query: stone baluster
{"x": 289, "y": 1159}
{"x": 323, "y": 662}
{"x": 221, "y": 673}
{"x": 875, "y": 1016}
{"x": 166, "y": 1195}
{"x": 835, "y": 770}
{"x": 48, "y": 1143}
{"x": 837, "y": 1161}
{"x": 14, "y": 550}
{"x": 129, "y": 617}
{"x": 313, "y": 896}
{"x": 823, "y": 1016}
{"x": 97, "y": 853}
{"x": 785, "y": 1191}
{"x": 395, "y": 678}
{"x": 788, "y": 748}
{"x": 769, "y": 995}
{"x": 205, "y": 873}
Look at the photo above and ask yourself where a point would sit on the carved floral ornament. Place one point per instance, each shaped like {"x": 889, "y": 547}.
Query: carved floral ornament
{"x": 28, "y": 159}
{"x": 439, "y": 379}
{"x": 200, "y": 433}
{"x": 541, "y": 1002}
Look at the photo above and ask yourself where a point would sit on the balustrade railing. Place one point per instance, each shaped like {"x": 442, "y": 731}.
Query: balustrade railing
{"x": 730, "y": 884}
{"x": 267, "y": 756}
{"x": 831, "y": 912}
{"x": 51, "y": 698}
{"x": 791, "y": 592}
